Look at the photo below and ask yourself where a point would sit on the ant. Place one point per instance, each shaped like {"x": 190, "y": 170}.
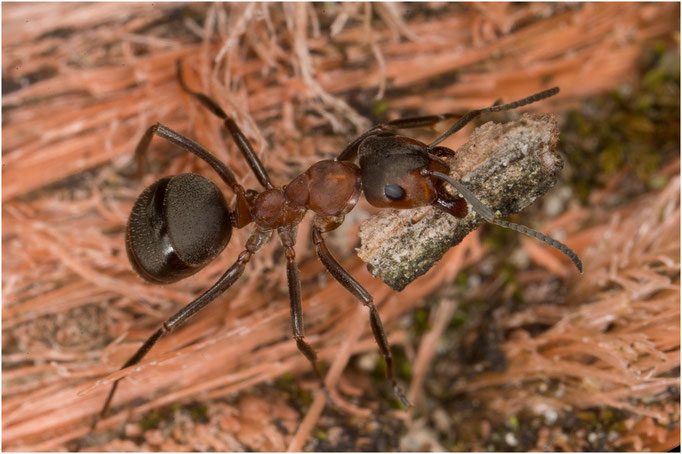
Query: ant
{"x": 179, "y": 224}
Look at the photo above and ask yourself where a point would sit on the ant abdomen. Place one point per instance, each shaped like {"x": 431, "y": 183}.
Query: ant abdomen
{"x": 177, "y": 226}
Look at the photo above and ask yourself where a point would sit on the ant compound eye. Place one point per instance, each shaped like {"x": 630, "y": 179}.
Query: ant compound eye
{"x": 394, "y": 192}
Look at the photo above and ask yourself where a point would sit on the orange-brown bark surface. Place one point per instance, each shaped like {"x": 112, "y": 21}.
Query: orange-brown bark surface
{"x": 82, "y": 82}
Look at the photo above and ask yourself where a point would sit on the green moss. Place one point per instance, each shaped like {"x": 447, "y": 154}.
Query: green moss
{"x": 151, "y": 420}
{"x": 497, "y": 238}
{"x": 421, "y": 321}
{"x": 289, "y": 386}
{"x": 611, "y": 158}
{"x": 198, "y": 412}
{"x": 397, "y": 404}
{"x": 660, "y": 47}
{"x": 635, "y": 129}
{"x": 654, "y": 78}
{"x": 588, "y": 416}
{"x": 461, "y": 280}
{"x": 658, "y": 181}
{"x": 606, "y": 415}
{"x": 304, "y": 397}
{"x": 458, "y": 320}
{"x": 286, "y": 379}
{"x": 619, "y": 426}
{"x": 379, "y": 108}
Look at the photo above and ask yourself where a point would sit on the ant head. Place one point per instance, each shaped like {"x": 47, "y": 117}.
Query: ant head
{"x": 392, "y": 172}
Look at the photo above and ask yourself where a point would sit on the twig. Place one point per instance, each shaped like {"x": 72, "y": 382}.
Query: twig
{"x": 507, "y": 166}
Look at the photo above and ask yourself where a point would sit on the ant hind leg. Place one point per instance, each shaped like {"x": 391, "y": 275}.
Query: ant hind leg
{"x": 233, "y": 273}
{"x": 237, "y": 135}
{"x": 186, "y": 144}
{"x": 354, "y": 287}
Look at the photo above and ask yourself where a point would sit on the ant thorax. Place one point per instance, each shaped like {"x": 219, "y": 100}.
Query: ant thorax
{"x": 329, "y": 188}
{"x": 272, "y": 210}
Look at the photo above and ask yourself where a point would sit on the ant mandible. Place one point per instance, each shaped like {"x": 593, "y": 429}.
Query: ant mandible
{"x": 179, "y": 224}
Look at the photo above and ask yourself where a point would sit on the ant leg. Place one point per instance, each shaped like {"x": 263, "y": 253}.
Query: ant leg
{"x": 241, "y": 212}
{"x": 495, "y": 108}
{"x": 420, "y": 122}
{"x": 349, "y": 283}
{"x": 189, "y": 145}
{"x": 426, "y": 120}
{"x": 350, "y": 152}
{"x": 255, "y": 242}
{"x": 225, "y": 281}
{"x": 294, "y": 281}
{"x": 237, "y": 134}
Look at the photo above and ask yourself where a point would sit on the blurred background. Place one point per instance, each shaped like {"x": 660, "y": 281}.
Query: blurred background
{"x": 501, "y": 346}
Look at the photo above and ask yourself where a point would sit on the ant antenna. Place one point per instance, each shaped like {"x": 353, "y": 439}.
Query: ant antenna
{"x": 489, "y": 216}
{"x": 495, "y": 108}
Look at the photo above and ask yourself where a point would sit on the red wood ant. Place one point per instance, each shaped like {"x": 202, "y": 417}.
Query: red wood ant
{"x": 179, "y": 224}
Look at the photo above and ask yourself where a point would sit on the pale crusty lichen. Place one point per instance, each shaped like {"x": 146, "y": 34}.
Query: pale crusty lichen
{"x": 507, "y": 166}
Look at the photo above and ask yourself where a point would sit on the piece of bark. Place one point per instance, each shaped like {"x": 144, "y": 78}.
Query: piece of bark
{"x": 507, "y": 166}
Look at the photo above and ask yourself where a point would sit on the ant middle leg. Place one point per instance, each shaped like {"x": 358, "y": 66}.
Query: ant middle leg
{"x": 357, "y": 290}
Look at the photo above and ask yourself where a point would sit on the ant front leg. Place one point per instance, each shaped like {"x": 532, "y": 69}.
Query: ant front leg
{"x": 351, "y": 151}
{"x": 496, "y": 107}
{"x": 324, "y": 224}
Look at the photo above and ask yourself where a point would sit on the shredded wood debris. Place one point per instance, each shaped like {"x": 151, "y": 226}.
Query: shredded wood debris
{"x": 83, "y": 81}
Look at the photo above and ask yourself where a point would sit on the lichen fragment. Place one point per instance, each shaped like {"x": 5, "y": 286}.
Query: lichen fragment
{"x": 507, "y": 166}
